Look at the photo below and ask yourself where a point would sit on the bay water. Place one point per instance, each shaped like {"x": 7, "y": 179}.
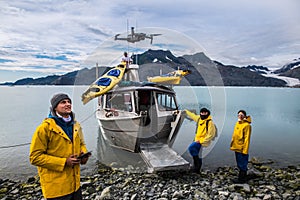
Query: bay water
{"x": 275, "y": 116}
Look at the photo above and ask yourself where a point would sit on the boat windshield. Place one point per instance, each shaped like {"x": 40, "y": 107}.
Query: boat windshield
{"x": 119, "y": 101}
{"x": 166, "y": 102}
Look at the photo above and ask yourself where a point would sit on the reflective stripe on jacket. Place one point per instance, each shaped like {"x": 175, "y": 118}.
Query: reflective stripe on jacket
{"x": 241, "y": 136}
{"x": 50, "y": 147}
{"x": 203, "y": 135}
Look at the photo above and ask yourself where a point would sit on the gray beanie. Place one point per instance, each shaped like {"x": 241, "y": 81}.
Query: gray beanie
{"x": 58, "y": 98}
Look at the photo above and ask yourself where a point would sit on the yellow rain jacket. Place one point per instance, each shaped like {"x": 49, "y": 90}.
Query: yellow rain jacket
{"x": 241, "y": 136}
{"x": 203, "y": 135}
{"x": 49, "y": 150}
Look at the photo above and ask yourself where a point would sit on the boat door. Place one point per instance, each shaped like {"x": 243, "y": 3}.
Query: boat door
{"x": 145, "y": 107}
{"x": 157, "y": 109}
{"x": 166, "y": 107}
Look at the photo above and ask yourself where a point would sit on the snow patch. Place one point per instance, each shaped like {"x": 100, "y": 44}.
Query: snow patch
{"x": 289, "y": 81}
{"x": 168, "y": 58}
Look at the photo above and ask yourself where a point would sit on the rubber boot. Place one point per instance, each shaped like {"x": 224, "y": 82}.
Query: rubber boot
{"x": 242, "y": 178}
{"x": 197, "y": 164}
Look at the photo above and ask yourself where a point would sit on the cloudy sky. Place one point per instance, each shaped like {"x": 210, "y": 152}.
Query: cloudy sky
{"x": 45, "y": 37}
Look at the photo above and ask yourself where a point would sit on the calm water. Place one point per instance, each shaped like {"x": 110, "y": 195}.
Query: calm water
{"x": 275, "y": 114}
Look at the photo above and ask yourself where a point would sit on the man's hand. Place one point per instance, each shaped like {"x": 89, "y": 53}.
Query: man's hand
{"x": 84, "y": 159}
{"x": 183, "y": 113}
{"x": 72, "y": 160}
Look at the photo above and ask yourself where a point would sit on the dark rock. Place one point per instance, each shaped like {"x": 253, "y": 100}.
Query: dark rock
{"x": 31, "y": 180}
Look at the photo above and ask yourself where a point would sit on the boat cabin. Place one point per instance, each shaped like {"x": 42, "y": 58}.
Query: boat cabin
{"x": 150, "y": 108}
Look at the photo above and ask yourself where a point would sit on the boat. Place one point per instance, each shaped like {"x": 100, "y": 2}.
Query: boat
{"x": 140, "y": 117}
{"x": 171, "y": 78}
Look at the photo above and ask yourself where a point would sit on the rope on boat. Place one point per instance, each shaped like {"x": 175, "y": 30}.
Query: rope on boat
{"x": 88, "y": 117}
{"x": 28, "y": 143}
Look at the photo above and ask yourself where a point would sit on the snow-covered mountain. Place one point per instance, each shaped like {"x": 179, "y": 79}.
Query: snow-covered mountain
{"x": 290, "y": 72}
{"x": 204, "y": 71}
{"x": 258, "y": 69}
{"x": 289, "y": 81}
{"x": 289, "y": 66}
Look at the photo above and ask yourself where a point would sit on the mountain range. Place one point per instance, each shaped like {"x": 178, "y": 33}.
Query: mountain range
{"x": 204, "y": 72}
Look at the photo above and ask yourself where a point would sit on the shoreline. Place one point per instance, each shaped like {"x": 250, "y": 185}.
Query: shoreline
{"x": 265, "y": 182}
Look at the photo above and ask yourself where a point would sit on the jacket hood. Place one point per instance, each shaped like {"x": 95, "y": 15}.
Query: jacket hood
{"x": 208, "y": 118}
{"x": 248, "y": 119}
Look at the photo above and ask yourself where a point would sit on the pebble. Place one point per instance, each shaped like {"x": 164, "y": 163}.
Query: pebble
{"x": 106, "y": 182}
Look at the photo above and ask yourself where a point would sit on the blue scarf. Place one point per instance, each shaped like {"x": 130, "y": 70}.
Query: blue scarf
{"x": 66, "y": 126}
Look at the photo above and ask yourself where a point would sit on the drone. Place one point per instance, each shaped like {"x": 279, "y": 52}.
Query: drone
{"x": 136, "y": 37}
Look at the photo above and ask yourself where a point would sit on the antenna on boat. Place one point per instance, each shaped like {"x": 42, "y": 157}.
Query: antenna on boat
{"x": 136, "y": 56}
{"x": 96, "y": 70}
{"x": 127, "y": 34}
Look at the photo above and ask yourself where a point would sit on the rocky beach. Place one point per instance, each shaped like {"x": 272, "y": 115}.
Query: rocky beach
{"x": 264, "y": 182}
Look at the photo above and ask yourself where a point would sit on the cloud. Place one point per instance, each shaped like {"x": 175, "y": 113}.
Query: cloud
{"x": 232, "y": 31}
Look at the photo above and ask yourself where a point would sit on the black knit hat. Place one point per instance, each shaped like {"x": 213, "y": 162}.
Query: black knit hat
{"x": 205, "y": 110}
{"x": 243, "y": 111}
{"x": 58, "y": 98}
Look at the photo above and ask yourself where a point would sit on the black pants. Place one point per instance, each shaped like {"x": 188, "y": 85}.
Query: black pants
{"x": 73, "y": 196}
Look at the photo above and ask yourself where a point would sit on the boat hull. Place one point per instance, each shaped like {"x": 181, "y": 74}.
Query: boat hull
{"x": 129, "y": 132}
{"x": 121, "y": 133}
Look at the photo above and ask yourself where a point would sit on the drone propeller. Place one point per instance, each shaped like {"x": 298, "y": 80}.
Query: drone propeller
{"x": 155, "y": 34}
{"x": 116, "y": 36}
{"x": 151, "y": 36}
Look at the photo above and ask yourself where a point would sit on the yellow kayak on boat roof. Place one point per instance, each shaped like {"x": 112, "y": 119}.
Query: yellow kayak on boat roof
{"x": 103, "y": 84}
{"x": 172, "y": 78}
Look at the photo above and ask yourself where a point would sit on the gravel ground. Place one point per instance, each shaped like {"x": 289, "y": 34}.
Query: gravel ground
{"x": 132, "y": 184}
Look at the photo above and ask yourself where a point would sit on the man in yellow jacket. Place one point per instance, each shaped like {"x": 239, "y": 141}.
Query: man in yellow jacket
{"x": 55, "y": 145}
{"x": 205, "y": 132}
{"x": 240, "y": 144}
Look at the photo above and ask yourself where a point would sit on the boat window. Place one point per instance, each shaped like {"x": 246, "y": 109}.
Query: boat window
{"x": 100, "y": 101}
{"x": 166, "y": 101}
{"x": 128, "y": 102}
{"x": 120, "y": 101}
